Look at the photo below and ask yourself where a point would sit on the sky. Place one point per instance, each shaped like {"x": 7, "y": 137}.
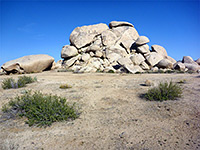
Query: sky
{"x": 44, "y": 26}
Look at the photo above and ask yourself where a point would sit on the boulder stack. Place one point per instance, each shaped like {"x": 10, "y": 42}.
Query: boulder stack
{"x": 118, "y": 47}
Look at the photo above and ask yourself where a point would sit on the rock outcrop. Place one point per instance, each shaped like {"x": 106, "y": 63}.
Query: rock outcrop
{"x": 118, "y": 48}
{"x": 29, "y": 64}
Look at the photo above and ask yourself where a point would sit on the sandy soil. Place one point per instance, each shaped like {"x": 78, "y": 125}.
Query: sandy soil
{"x": 113, "y": 114}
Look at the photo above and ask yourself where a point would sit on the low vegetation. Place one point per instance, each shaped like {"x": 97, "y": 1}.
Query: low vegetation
{"x": 40, "y": 109}
{"x": 9, "y": 83}
{"x": 164, "y": 91}
{"x": 65, "y": 86}
{"x": 183, "y": 81}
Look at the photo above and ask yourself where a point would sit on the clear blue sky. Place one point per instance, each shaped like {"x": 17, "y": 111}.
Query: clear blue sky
{"x": 43, "y": 27}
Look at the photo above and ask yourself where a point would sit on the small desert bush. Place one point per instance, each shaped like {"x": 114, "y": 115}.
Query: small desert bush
{"x": 65, "y": 86}
{"x": 164, "y": 91}
{"x": 182, "y": 81}
{"x": 8, "y": 83}
{"x": 40, "y": 109}
{"x": 26, "y": 79}
{"x": 21, "y": 82}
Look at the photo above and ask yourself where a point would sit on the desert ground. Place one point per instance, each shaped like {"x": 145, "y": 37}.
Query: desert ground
{"x": 113, "y": 114}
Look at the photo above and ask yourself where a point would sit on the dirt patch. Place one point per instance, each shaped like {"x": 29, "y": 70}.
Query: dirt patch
{"x": 113, "y": 114}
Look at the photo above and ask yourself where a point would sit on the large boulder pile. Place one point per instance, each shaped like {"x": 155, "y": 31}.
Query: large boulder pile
{"x": 29, "y": 64}
{"x": 188, "y": 64}
{"x": 117, "y": 48}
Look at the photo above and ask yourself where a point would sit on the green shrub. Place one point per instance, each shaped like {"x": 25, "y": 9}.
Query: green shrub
{"x": 164, "y": 91}
{"x": 182, "y": 81}
{"x": 111, "y": 71}
{"x": 21, "y": 82}
{"x": 65, "y": 86}
{"x": 39, "y": 109}
{"x": 26, "y": 79}
{"x": 9, "y": 83}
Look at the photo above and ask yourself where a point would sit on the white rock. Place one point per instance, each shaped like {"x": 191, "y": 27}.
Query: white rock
{"x": 144, "y": 49}
{"x": 154, "y": 69}
{"x": 91, "y": 54}
{"x": 85, "y": 57}
{"x": 142, "y": 40}
{"x": 198, "y": 61}
{"x": 28, "y": 64}
{"x": 159, "y": 49}
{"x": 188, "y": 59}
{"x": 82, "y": 36}
{"x": 113, "y": 57}
{"x": 108, "y": 38}
{"x": 165, "y": 63}
{"x": 137, "y": 59}
{"x": 124, "y": 61}
{"x": 133, "y": 69}
{"x": 116, "y": 49}
{"x": 153, "y": 58}
{"x": 93, "y": 48}
{"x": 119, "y": 31}
{"x": 68, "y": 51}
{"x": 109, "y": 68}
{"x": 98, "y": 54}
{"x": 173, "y": 61}
{"x": 115, "y": 24}
{"x": 144, "y": 66}
{"x": 68, "y": 63}
{"x": 179, "y": 66}
{"x": 87, "y": 69}
{"x": 192, "y": 67}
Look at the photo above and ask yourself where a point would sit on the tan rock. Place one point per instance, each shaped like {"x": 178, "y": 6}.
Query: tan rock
{"x": 159, "y": 49}
{"x": 179, "y": 66}
{"x": 144, "y": 49}
{"x": 68, "y": 51}
{"x": 142, "y": 40}
{"x": 165, "y": 63}
{"x": 82, "y": 36}
{"x": 108, "y": 38}
{"x": 29, "y": 64}
{"x": 137, "y": 59}
{"x": 153, "y": 58}
{"x": 115, "y": 24}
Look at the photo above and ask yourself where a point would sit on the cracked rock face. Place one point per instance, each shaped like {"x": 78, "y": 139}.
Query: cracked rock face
{"x": 119, "y": 45}
{"x": 82, "y": 36}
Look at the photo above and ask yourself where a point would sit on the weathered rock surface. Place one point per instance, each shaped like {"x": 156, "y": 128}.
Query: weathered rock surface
{"x": 142, "y": 40}
{"x": 119, "y": 47}
{"x": 108, "y": 38}
{"x": 85, "y": 57}
{"x": 179, "y": 66}
{"x": 153, "y": 58}
{"x": 144, "y": 49}
{"x": 133, "y": 69}
{"x": 68, "y": 63}
{"x": 198, "y": 61}
{"x": 68, "y": 51}
{"x": 159, "y": 49}
{"x": 187, "y": 59}
{"x": 165, "y": 63}
{"x": 137, "y": 59}
{"x": 29, "y": 64}
{"x": 192, "y": 67}
{"x": 82, "y": 36}
{"x": 119, "y": 23}
{"x": 171, "y": 59}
